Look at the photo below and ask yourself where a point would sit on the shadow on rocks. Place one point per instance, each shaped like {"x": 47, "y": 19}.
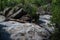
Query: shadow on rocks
{"x": 3, "y": 34}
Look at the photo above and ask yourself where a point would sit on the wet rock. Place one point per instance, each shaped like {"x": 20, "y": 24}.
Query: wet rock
{"x": 1, "y": 13}
{"x": 25, "y": 31}
{"x": 2, "y": 18}
{"x": 4, "y": 35}
{"x": 45, "y": 22}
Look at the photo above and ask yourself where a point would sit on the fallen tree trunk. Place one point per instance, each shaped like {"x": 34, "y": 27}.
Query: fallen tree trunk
{"x": 16, "y": 13}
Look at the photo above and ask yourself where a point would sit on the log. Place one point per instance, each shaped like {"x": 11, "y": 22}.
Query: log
{"x": 6, "y": 11}
{"x": 16, "y": 13}
{"x": 10, "y": 12}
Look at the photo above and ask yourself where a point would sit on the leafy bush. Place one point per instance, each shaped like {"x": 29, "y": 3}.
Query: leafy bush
{"x": 31, "y": 10}
{"x": 56, "y": 12}
{"x": 56, "y": 34}
{"x": 41, "y": 2}
{"x": 56, "y": 19}
{"x": 28, "y": 6}
{"x": 8, "y": 3}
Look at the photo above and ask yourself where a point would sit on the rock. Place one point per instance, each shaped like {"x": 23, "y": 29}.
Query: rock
{"x": 45, "y": 22}
{"x": 2, "y": 18}
{"x": 4, "y": 35}
{"x": 25, "y": 31}
{"x": 1, "y": 13}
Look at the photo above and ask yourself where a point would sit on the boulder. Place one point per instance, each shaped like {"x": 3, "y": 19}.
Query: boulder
{"x": 2, "y": 18}
{"x": 25, "y": 31}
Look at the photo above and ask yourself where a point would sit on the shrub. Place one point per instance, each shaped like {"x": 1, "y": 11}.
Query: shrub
{"x": 56, "y": 19}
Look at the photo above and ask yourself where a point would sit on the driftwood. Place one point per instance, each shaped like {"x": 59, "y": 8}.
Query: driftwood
{"x": 17, "y": 20}
{"x": 10, "y": 12}
{"x": 16, "y": 13}
{"x": 6, "y": 11}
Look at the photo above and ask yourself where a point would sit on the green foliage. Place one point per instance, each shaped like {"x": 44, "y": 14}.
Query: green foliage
{"x": 56, "y": 19}
{"x": 11, "y": 3}
{"x": 31, "y": 10}
{"x": 41, "y": 2}
{"x": 56, "y": 12}
{"x": 8, "y": 3}
{"x": 56, "y": 35}
{"x": 30, "y": 6}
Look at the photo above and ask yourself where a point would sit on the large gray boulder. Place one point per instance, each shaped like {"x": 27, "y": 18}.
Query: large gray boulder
{"x": 25, "y": 31}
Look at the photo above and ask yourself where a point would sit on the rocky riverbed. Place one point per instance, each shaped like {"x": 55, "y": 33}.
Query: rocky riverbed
{"x": 21, "y": 26}
{"x": 12, "y": 30}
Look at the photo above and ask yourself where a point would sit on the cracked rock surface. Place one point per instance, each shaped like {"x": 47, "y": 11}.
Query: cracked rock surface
{"x": 25, "y": 31}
